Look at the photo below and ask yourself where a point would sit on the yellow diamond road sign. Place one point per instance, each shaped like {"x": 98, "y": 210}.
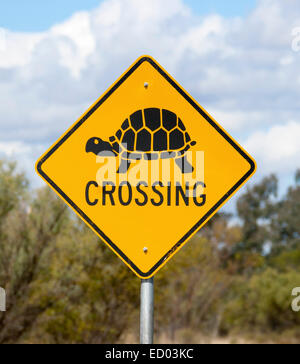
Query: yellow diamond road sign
{"x": 146, "y": 167}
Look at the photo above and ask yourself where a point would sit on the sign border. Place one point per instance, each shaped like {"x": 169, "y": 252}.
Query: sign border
{"x": 200, "y": 223}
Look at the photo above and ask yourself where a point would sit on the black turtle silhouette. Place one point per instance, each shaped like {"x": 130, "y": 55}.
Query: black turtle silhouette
{"x": 147, "y": 134}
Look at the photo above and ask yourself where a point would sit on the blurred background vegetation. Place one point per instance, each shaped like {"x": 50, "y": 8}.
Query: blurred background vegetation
{"x": 231, "y": 283}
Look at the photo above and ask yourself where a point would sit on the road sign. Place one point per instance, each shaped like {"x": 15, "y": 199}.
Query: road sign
{"x": 146, "y": 167}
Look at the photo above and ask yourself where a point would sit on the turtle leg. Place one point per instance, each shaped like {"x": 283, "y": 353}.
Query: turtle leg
{"x": 184, "y": 165}
{"x": 124, "y": 166}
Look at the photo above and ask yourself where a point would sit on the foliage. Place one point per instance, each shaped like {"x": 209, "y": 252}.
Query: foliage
{"x": 64, "y": 286}
{"x": 94, "y": 296}
{"x": 189, "y": 289}
{"x": 61, "y": 284}
{"x": 255, "y": 209}
{"x": 262, "y": 303}
{"x": 286, "y": 223}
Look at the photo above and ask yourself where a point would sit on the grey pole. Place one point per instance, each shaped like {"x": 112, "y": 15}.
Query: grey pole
{"x": 147, "y": 311}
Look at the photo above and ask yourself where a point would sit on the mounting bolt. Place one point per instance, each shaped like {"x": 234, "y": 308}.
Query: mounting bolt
{"x": 146, "y": 85}
{"x": 145, "y": 250}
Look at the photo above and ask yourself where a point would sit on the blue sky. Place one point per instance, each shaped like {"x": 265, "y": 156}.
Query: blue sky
{"x": 36, "y": 15}
{"x": 226, "y": 8}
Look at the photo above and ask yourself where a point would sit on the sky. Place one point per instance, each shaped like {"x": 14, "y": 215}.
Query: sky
{"x": 34, "y": 15}
{"x": 239, "y": 59}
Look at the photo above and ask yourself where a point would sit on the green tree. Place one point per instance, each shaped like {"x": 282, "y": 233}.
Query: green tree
{"x": 255, "y": 209}
{"x": 30, "y": 231}
{"x": 262, "y": 304}
{"x": 286, "y": 223}
{"x": 189, "y": 290}
{"x": 63, "y": 285}
{"x": 95, "y": 295}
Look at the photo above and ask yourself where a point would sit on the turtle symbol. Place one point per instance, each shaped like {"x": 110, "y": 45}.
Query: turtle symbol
{"x": 148, "y": 134}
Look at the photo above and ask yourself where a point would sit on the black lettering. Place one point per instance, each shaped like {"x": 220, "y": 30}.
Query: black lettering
{"x": 108, "y": 193}
{"x": 143, "y": 193}
{"x": 122, "y": 201}
{"x": 169, "y": 194}
{"x": 87, "y": 190}
{"x": 184, "y": 194}
{"x": 161, "y": 200}
{"x": 202, "y": 197}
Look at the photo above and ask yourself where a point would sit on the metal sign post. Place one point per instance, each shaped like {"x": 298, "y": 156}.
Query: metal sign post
{"x": 147, "y": 311}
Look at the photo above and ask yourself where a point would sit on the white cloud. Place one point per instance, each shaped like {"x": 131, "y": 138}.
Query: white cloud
{"x": 11, "y": 148}
{"x": 78, "y": 44}
{"x": 242, "y": 70}
{"x": 16, "y": 49}
{"x": 277, "y": 149}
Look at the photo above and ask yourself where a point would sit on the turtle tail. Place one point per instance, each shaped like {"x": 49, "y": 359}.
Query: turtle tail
{"x": 193, "y": 143}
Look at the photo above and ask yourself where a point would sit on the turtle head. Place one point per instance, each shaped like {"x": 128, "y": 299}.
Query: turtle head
{"x": 97, "y": 146}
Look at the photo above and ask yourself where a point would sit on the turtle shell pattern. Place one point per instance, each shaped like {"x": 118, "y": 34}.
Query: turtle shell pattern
{"x": 152, "y": 134}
